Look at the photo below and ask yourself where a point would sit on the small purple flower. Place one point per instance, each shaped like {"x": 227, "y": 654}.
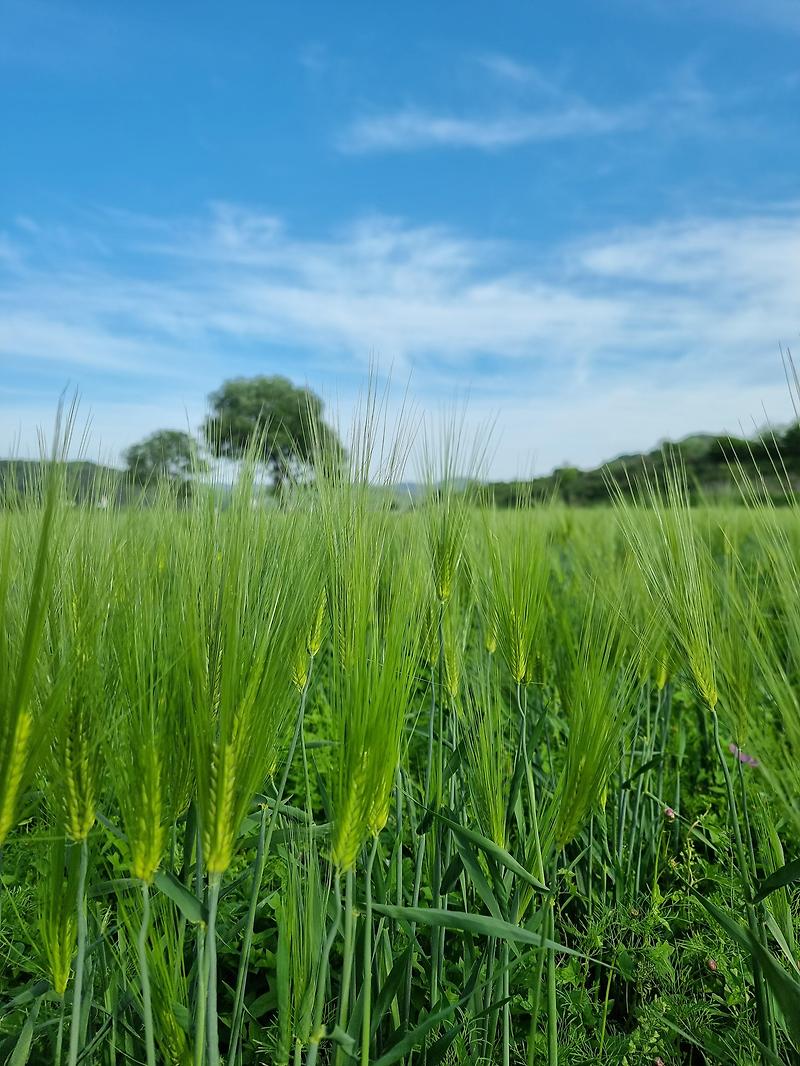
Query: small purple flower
{"x": 742, "y": 756}
{"x": 669, "y": 814}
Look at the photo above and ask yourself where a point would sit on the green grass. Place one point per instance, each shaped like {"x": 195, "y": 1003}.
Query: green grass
{"x": 331, "y": 783}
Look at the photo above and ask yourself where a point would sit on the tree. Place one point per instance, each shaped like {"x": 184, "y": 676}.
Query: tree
{"x": 789, "y": 443}
{"x": 166, "y": 453}
{"x": 285, "y": 419}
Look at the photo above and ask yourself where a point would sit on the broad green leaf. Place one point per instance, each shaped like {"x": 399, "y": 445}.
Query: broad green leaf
{"x": 266, "y": 1002}
{"x": 28, "y": 995}
{"x": 651, "y": 764}
{"x": 477, "y": 924}
{"x": 389, "y": 989}
{"x": 784, "y": 988}
{"x": 436, "y": 1052}
{"x": 190, "y": 906}
{"x": 410, "y": 1040}
{"x": 497, "y": 853}
{"x": 22, "y": 1049}
{"x": 782, "y": 877}
{"x": 343, "y": 1039}
{"x": 282, "y": 988}
{"x": 777, "y": 932}
{"x": 439, "y": 1048}
{"x": 472, "y": 866}
{"x": 451, "y": 875}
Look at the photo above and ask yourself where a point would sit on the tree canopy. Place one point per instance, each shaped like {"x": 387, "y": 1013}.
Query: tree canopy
{"x": 285, "y": 419}
{"x": 166, "y": 453}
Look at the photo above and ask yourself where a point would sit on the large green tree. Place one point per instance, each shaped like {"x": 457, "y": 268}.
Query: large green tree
{"x": 166, "y": 453}
{"x": 285, "y": 419}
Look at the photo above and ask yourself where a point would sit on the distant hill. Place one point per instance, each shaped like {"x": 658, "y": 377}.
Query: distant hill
{"x": 85, "y": 480}
{"x": 706, "y": 459}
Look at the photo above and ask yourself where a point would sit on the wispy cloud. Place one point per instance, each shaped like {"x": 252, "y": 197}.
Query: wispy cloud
{"x": 508, "y": 69}
{"x": 411, "y": 129}
{"x": 533, "y": 107}
{"x": 645, "y": 327}
{"x": 60, "y": 36}
{"x": 314, "y": 58}
{"x": 785, "y": 14}
{"x": 764, "y": 14}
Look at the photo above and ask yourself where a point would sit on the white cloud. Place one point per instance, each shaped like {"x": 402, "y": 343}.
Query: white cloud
{"x": 33, "y": 335}
{"x": 411, "y": 129}
{"x": 611, "y": 343}
{"x": 506, "y": 68}
{"x": 530, "y": 107}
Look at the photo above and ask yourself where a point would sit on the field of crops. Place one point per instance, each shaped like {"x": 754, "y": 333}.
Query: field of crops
{"x": 334, "y": 782}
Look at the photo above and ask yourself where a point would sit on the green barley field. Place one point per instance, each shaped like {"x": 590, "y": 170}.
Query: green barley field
{"x": 340, "y": 782}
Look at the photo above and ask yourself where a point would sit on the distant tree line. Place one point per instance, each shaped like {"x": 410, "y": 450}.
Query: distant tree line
{"x": 712, "y": 465}
{"x": 281, "y": 424}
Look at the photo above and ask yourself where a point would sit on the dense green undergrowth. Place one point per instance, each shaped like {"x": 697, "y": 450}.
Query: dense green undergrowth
{"x": 334, "y": 784}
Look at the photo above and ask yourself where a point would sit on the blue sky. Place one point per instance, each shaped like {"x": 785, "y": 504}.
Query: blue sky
{"x": 581, "y": 219}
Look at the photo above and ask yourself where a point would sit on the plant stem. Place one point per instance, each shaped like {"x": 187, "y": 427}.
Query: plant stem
{"x": 590, "y": 873}
{"x": 605, "y": 1005}
{"x": 537, "y": 997}
{"x": 523, "y": 726}
{"x": 318, "y": 1031}
{"x": 414, "y": 903}
{"x": 552, "y": 1015}
{"x": 347, "y": 956}
{"x": 144, "y": 974}
{"x": 399, "y": 819}
{"x": 773, "y": 1044}
{"x": 77, "y": 988}
{"x": 214, "y": 883}
{"x": 241, "y": 979}
{"x": 506, "y": 1009}
{"x": 201, "y": 987}
{"x": 366, "y": 1019}
{"x": 189, "y": 841}
{"x": 420, "y": 857}
{"x": 437, "y": 934}
{"x": 758, "y": 978}
{"x": 59, "y": 1035}
{"x": 491, "y": 1014}
{"x": 262, "y": 852}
